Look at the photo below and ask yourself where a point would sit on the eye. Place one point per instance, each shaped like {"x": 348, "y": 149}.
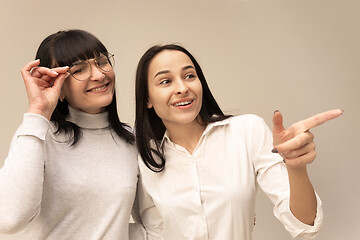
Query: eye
{"x": 165, "y": 81}
{"x": 78, "y": 69}
{"x": 190, "y": 75}
{"x": 102, "y": 61}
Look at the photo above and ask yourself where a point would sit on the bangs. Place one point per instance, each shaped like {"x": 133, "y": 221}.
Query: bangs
{"x": 74, "y": 46}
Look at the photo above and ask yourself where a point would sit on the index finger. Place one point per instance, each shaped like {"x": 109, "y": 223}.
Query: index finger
{"x": 30, "y": 65}
{"x": 32, "y": 69}
{"x": 60, "y": 70}
{"x": 319, "y": 119}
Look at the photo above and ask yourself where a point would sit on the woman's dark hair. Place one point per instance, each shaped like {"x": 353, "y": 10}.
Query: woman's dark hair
{"x": 148, "y": 126}
{"x": 63, "y": 49}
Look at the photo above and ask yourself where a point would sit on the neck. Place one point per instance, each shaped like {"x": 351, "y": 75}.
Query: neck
{"x": 88, "y": 121}
{"x": 186, "y": 135}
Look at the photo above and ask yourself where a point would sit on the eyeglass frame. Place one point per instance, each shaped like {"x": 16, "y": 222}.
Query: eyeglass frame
{"x": 107, "y": 55}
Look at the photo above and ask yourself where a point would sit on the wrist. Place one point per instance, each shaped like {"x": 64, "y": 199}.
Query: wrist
{"x": 43, "y": 113}
{"x": 296, "y": 170}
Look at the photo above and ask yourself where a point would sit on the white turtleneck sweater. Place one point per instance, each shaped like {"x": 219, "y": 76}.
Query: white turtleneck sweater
{"x": 58, "y": 191}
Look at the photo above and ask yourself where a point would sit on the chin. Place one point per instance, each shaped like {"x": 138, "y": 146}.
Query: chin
{"x": 102, "y": 106}
{"x": 106, "y": 100}
{"x": 188, "y": 120}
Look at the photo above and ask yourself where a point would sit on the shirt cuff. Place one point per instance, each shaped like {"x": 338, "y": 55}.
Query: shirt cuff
{"x": 34, "y": 125}
{"x": 299, "y": 229}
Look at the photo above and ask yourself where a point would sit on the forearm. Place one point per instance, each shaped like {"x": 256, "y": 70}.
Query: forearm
{"x": 21, "y": 179}
{"x": 303, "y": 203}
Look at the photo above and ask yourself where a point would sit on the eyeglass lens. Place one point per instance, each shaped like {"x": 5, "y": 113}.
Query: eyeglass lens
{"x": 81, "y": 70}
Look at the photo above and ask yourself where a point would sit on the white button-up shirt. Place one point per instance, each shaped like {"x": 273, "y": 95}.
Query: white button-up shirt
{"x": 210, "y": 194}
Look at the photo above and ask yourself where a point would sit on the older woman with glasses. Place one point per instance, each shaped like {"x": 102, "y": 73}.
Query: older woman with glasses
{"x": 71, "y": 172}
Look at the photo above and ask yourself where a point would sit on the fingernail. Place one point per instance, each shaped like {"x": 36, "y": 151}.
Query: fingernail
{"x": 55, "y": 72}
{"x": 66, "y": 67}
{"x": 274, "y": 150}
{"x": 67, "y": 74}
{"x": 284, "y": 160}
{"x": 276, "y": 111}
{"x": 342, "y": 110}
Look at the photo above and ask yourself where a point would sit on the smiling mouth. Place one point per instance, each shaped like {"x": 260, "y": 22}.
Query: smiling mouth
{"x": 98, "y": 88}
{"x": 184, "y": 103}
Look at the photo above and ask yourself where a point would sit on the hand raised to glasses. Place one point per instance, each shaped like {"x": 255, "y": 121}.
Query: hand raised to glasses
{"x": 296, "y": 143}
{"x": 43, "y": 87}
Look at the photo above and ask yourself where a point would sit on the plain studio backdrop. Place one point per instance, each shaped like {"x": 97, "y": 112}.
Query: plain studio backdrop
{"x": 299, "y": 56}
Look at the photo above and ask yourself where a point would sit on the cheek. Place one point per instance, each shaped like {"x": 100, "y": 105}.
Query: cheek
{"x": 199, "y": 90}
{"x": 158, "y": 103}
{"x": 154, "y": 102}
{"x": 153, "y": 97}
{"x": 111, "y": 76}
{"x": 72, "y": 89}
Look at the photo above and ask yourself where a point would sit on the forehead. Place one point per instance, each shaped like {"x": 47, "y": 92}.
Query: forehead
{"x": 169, "y": 60}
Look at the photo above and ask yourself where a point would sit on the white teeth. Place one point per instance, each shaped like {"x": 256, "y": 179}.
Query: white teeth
{"x": 182, "y": 103}
{"x": 97, "y": 89}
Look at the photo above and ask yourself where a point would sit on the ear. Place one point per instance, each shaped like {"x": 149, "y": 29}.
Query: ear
{"x": 148, "y": 104}
{"x": 62, "y": 95}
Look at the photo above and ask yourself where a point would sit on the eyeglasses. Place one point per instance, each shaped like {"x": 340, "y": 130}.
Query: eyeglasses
{"x": 81, "y": 70}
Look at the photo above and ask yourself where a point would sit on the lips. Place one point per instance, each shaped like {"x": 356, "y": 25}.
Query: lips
{"x": 183, "y": 103}
{"x": 97, "y": 89}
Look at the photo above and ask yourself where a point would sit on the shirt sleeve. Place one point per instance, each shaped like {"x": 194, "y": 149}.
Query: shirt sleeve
{"x": 151, "y": 218}
{"x": 272, "y": 178}
{"x": 21, "y": 177}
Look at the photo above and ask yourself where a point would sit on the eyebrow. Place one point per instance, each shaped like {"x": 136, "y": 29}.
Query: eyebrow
{"x": 78, "y": 62}
{"x": 167, "y": 71}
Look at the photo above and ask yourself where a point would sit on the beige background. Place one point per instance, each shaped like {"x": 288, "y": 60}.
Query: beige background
{"x": 299, "y": 56}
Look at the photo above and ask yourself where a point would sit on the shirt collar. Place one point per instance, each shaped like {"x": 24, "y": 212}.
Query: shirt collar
{"x": 165, "y": 138}
{"x": 87, "y": 120}
{"x": 207, "y": 129}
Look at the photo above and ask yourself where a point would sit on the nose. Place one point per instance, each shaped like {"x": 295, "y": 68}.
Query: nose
{"x": 180, "y": 87}
{"x": 95, "y": 73}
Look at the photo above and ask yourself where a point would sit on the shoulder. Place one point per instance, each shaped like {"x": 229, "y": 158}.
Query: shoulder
{"x": 245, "y": 117}
{"x": 240, "y": 126}
{"x": 240, "y": 122}
{"x": 246, "y": 120}
{"x": 121, "y": 142}
{"x": 249, "y": 125}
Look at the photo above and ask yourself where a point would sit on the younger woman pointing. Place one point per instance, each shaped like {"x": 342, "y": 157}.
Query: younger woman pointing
{"x": 200, "y": 168}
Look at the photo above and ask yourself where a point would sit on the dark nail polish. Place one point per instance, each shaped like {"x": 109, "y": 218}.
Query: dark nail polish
{"x": 284, "y": 160}
{"x": 276, "y": 111}
{"x": 274, "y": 150}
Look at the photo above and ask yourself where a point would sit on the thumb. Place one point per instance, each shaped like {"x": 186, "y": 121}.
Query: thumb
{"x": 277, "y": 120}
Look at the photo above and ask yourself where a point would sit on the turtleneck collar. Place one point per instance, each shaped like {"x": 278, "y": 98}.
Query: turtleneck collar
{"x": 88, "y": 121}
